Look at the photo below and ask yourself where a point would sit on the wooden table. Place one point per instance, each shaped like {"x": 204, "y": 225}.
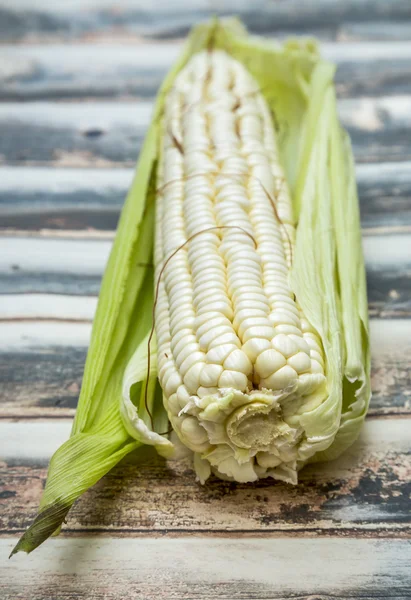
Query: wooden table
{"x": 77, "y": 80}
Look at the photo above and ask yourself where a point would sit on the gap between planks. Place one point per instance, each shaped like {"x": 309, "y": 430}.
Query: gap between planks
{"x": 365, "y": 113}
{"x": 297, "y": 532}
{"x": 63, "y": 133}
{"x": 44, "y": 436}
{"x": 365, "y": 490}
{"x": 51, "y": 356}
{"x": 33, "y": 265}
{"x": 74, "y": 202}
{"x": 104, "y": 70}
{"x": 55, "y": 254}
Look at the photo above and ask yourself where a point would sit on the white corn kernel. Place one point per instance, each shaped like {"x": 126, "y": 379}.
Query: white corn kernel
{"x": 316, "y": 367}
{"x": 255, "y": 346}
{"x": 182, "y": 395}
{"x": 203, "y": 392}
{"x": 288, "y": 329}
{"x": 238, "y": 360}
{"x": 233, "y": 379}
{"x": 173, "y": 404}
{"x": 192, "y": 377}
{"x": 284, "y": 344}
{"x": 226, "y": 317}
{"x": 317, "y": 356}
{"x": 210, "y": 375}
{"x": 226, "y": 338}
{"x": 258, "y": 332}
{"x": 191, "y": 430}
{"x": 282, "y": 379}
{"x": 189, "y": 361}
{"x": 268, "y": 362}
{"x": 187, "y": 351}
{"x": 301, "y": 343}
{"x": 172, "y": 383}
{"x": 218, "y": 354}
{"x": 301, "y": 362}
{"x": 268, "y": 460}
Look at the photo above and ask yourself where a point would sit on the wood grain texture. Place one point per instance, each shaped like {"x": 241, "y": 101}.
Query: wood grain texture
{"x": 147, "y": 530}
{"x": 39, "y": 198}
{"x": 111, "y": 133}
{"x": 41, "y": 367}
{"x": 367, "y": 489}
{"x": 37, "y": 72}
{"x": 49, "y": 264}
{"x": 375, "y": 30}
{"x": 74, "y": 199}
{"x": 23, "y": 19}
{"x": 69, "y": 134}
{"x": 385, "y": 194}
{"x": 206, "y": 569}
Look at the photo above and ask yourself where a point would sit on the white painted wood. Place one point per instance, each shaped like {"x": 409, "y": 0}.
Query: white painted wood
{"x": 369, "y": 114}
{"x": 80, "y": 60}
{"x": 35, "y": 440}
{"x": 381, "y": 436}
{"x": 390, "y": 338}
{"x": 78, "y": 5}
{"x": 177, "y": 6}
{"x": 389, "y": 335}
{"x": 47, "y": 306}
{"x": 71, "y": 180}
{"x": 381, "y": 251}
{"x": 360, "y": 52}
{"x": 25, "y": 336}
{"x": 51, "y": 254}
{"x": 376, "y": 114}
{"x": 192, "y": 567}
{"x": 90, "y": 60}
{"x": 380, "y": 172}
{"x": 59, "y": 181}
{"x": 80, "y": 116}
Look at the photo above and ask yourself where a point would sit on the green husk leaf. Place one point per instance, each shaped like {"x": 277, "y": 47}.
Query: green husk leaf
{"x": 136, "y": 418}
{"x": 123, "y": 319}
{"x": 327, "y": 276}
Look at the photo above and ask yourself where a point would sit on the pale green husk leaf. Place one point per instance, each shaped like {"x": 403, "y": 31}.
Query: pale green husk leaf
{"x": 327, "y": 277}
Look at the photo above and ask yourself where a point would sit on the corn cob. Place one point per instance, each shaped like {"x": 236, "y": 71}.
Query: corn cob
{"x": 237, "y": 359}
{"x": 262, "y": 330}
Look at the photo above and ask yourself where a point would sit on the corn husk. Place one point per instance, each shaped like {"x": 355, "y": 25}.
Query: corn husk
{"x": 327, "y": 277}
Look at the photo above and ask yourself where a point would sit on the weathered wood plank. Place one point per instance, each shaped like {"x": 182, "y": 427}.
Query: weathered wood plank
{"x": 385, "y": 194}
{"x": 41, "y": 367}
{"x": 375, "y": 30}
{"x": 378, "y": 127}
{"x": 43, "y": 383}
{"x": 37, "y": 335}
{"x": 208, "y": 569}
{"x": 76, "y": 199}
{"x": 104, "y": 133}
{"x": 366, "y": 489}
{"x": 82, "y": 258}
{"x": 390, "y": 369}
{"x": 133, "y": 18}
{"x": 388, "y": 265}
{"x": 38, "y": 447}
{"x": 39, "y": 188}
{"x": 73, "y": 134}
{"x": 54, "y": 265}
{"x": 90, "y": 199}
{"x": 28, "y": 307}
{"x": 88, "y": 70}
